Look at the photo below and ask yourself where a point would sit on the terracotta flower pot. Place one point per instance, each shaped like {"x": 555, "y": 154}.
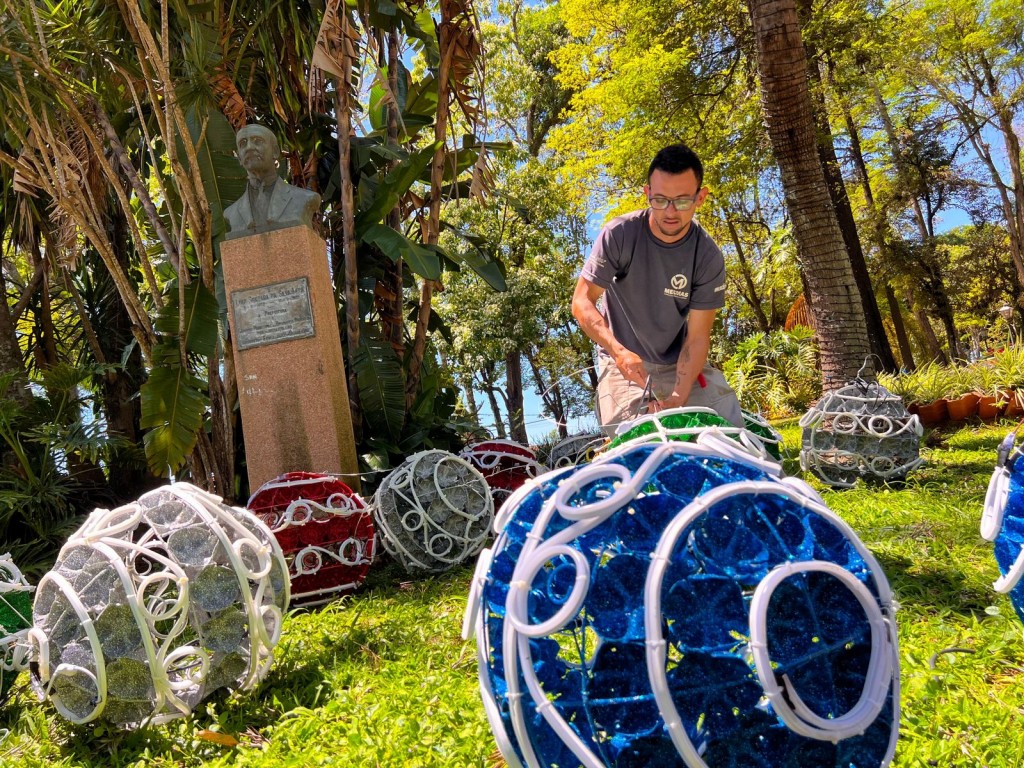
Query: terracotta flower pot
{"x": 1014, "y": 406}
{"x": 990, "y": 407}
{"x": 963, "y": 407}
{"x": 934, "y": 413}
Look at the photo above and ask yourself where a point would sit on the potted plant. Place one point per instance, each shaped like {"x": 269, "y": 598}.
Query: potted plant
{"x": 933, "y": 384}
{"x": 1008, "y": 372}
{"x": 991, "y": 400}
{"x": 962, "y": 398}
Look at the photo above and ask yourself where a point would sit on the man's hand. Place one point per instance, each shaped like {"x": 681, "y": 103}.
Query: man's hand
{"x": 673, "y": 401}
{"x": 631, "y": 367}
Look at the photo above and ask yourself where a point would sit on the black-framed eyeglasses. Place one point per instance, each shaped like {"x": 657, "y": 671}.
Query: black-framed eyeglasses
{"x": 679, "y": 203}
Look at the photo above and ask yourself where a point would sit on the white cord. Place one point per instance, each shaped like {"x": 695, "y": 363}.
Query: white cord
{"x": 799, "y": 717}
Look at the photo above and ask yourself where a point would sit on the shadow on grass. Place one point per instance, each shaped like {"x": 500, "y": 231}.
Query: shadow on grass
{"x": 942, "y": 588}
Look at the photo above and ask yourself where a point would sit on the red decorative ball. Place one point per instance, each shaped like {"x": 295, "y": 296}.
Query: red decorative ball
{"x": 324, "y": 529}
{"x": 505, "y": 465}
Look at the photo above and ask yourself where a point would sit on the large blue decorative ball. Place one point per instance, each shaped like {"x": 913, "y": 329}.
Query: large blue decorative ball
{"x": 1003, "y": 521}
{"x": 667, "y": 606}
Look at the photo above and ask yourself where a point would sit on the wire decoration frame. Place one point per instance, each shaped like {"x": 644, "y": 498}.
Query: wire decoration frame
{"x": 325, "y": 530}
{"x": 433, "y": 512}
{"x": 154, "y": 605}
{"x": 860, "y": 431}
{"x": 687, "y": 424}
{"x": 1002, "y": 521}
{"x": 15, "y": 622}
{"x": 649, "y": 557}
{"x": 505, "y": 465}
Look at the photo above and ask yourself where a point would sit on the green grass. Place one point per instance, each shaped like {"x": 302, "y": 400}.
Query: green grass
{"x": 382, "y": 678}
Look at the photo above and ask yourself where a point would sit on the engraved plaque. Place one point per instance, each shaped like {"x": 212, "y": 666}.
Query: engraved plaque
{"x": 272, "y": 313}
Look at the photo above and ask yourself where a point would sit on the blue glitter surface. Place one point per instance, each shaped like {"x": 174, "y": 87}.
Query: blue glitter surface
{"x": 594, "y": 668}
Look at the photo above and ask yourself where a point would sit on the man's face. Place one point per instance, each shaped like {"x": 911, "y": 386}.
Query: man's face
{"x": 257, "y": 150}
{"x": 669, "y": 224}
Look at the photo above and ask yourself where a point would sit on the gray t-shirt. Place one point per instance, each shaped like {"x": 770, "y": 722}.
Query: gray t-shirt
{"x": 651, "y": 286}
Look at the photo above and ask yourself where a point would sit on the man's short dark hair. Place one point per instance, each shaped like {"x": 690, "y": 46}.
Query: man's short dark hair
{"x": 677, "y": 158}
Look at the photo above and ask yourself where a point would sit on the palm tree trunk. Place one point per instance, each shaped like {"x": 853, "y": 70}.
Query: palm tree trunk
{"x": 835, "y": 300}
{"x": 880, "y": 346}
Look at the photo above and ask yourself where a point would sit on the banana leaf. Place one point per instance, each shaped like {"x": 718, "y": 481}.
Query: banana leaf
{"x": 390, "y": 191}
{"x": 201, "y": 316}
{"x": 173, "y": 404}
{"x": 381, "y": 386}
{"x": 222, "y": 176}
{"x": 422, "y": 259}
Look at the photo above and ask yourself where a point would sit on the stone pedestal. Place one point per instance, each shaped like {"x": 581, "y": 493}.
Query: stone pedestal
{"x": 288, "y": 360}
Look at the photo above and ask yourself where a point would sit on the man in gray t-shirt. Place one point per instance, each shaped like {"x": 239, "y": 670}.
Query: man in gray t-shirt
{"x": 663, "y": 279}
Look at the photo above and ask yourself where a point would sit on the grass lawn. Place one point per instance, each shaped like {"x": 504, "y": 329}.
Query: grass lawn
{"x": 382, "y": 678}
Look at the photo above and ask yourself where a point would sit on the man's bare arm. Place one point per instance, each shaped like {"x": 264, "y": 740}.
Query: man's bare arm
{"x": 692, "y": 357}
{"x": 584, "y": 309}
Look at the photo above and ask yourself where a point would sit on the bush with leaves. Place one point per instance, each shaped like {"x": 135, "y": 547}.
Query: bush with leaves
{"x": 50, "y": 466}
{"x": 776, "y": 373}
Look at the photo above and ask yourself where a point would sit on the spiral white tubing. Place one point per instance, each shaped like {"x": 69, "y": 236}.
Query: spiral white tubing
{"x": 660, "y": 560}
{"x": 47, "y": 677}
{"x": 272, "y": 485}
{"x": 489, "y": 459}
{"x": 142, "y": 615}
{"x": 534, "y": 555}
{"x": 995, "y": 504}
{"x": 809, "y": 457}
{"x": 739, "y": 435}
{"x": 288, "y": 518}
{"x": 91, "y": 529}
{"x": 799, "y": 717}
{"x": 487, "y": 694}
{"x": 207, "y": 507}
{"x": 391, "y": 542}
{"x": 534, "y": 550}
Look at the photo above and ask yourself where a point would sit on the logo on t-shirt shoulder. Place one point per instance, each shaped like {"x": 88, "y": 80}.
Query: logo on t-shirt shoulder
{"x": 678, "y": 289}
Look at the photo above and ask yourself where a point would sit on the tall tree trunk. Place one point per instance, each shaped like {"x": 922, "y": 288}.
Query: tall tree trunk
{"x": 551, "y": 395}
{"x": 906, "y": 351}
{"x": 10, "y": 353}
{"x": 343, "y": 109}
{"x": 389, "y": 294}
{"x": 933, "y": 283}
{"x": 514, "y": 398}
{"x": 834, "y": 299}
{"x": 446, "y": 34}
{"x": 877, "y": 337}
{"x": 751, "y": 294}
{"x": 487, "y": 375}
{"x": 931, "y": 341}
{"x": 878, "y": 228}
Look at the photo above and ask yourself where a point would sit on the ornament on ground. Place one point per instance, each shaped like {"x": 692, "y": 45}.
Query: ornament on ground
{"x": 325, "y": 531}
{"x": 153, "y": 606}
{"x": 15, "y": 621}
{"x": 505, "y": 465}
{"x": 860, "y": 431}
{"x": 433, "y": 512}
{"x": 681, "y": 600}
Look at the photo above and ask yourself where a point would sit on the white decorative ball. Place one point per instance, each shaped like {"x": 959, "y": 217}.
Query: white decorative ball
{"x": 861, "y": 430}
{"x": 152, "y": 606}
{"x": 433, "y": 512}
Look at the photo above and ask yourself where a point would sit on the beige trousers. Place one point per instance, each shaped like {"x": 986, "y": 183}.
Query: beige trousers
{"x": 619, "y": 400}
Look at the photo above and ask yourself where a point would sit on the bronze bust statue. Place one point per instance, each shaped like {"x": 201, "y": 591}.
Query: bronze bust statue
{"x": 269, "y": 201}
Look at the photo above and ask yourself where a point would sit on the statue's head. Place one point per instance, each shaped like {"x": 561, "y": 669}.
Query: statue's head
{"x": 257, "y": 150}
